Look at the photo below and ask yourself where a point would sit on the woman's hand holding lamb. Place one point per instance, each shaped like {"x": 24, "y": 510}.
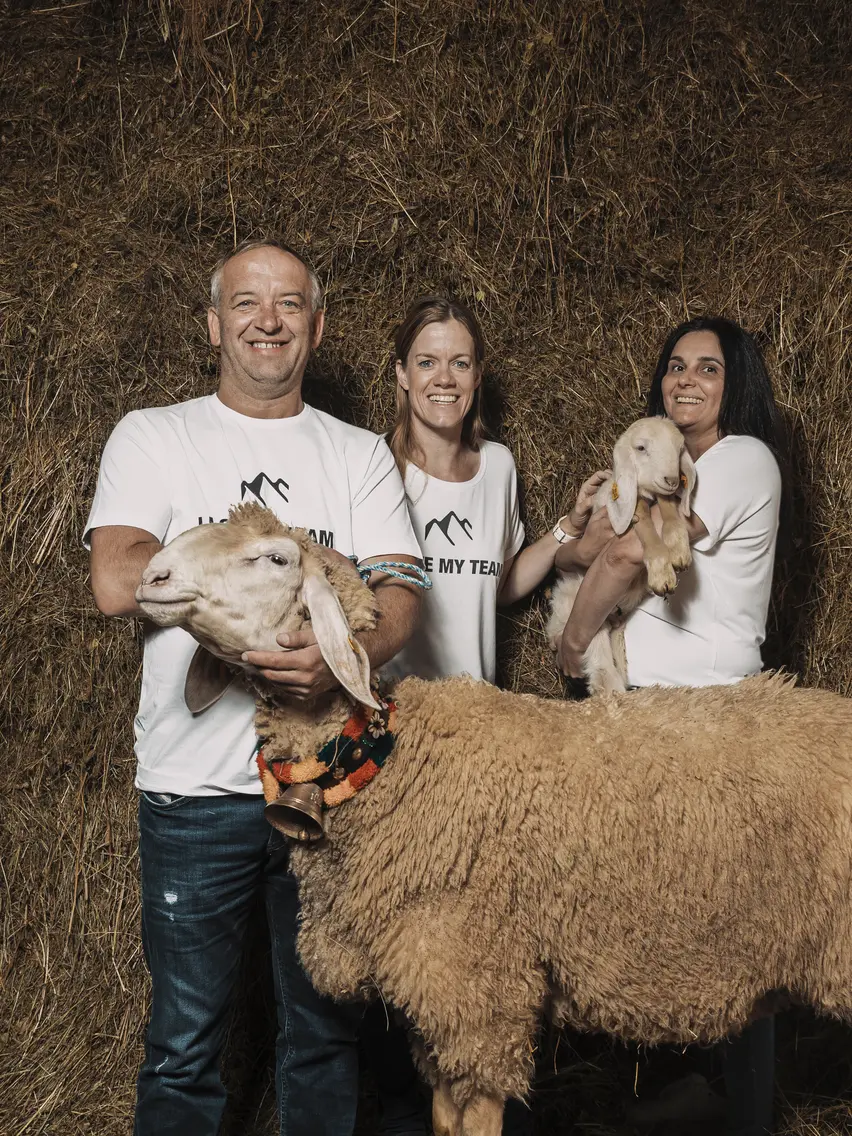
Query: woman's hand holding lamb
{"x": 585, "y": 503}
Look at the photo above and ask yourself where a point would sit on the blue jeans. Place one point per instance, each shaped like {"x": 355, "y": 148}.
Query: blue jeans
{"x": 203, "y": 860}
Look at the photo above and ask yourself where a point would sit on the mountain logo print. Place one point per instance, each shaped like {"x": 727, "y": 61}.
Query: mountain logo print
{"x": 445, "y": 524}
{"x": 264, "y": 490}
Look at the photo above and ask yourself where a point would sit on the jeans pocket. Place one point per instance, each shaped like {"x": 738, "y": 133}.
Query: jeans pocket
{"x": 162, "y": 802}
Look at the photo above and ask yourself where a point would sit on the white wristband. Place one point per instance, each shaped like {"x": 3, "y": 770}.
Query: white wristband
{"x": 561, "y": 535}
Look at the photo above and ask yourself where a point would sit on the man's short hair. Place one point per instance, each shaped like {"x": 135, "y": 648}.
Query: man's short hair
{"x": 316, "y": 290}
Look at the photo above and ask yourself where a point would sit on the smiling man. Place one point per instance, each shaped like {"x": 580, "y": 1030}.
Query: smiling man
{"x": 206, "y": 850}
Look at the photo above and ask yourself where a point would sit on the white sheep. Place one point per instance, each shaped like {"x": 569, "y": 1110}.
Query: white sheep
{"x": 650, "y": 464}
{"x": 651, "y": 865}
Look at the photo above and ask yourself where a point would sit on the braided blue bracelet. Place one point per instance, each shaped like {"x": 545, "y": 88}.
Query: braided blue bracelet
{"x": 413, "y": 574}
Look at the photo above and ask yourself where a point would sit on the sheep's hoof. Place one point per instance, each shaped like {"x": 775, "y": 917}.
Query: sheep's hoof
{"x": 662, "y": 578}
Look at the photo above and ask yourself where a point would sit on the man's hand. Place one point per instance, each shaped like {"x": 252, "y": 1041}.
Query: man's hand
{"x": 299, "y": 668}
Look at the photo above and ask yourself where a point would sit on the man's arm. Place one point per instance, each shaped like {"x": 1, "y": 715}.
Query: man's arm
{"x": 300, "y": 668}
{"x": 119, "y": 556}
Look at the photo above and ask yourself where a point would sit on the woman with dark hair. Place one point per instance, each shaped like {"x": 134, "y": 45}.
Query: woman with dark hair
{"x": 711, "y": 381}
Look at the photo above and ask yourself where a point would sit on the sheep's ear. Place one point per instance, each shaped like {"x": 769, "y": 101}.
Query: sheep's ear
{"x": 206, "y": 681}
{"x": 345, "y": 656}
{"x": 621, "y": 504}
{"x": 687, "y": 483}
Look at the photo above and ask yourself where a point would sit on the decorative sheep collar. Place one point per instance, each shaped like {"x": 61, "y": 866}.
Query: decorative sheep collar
{"x": 348, "y": 762}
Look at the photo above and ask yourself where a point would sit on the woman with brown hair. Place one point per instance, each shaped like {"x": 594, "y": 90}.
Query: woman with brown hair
{"x": 462, "y": 496}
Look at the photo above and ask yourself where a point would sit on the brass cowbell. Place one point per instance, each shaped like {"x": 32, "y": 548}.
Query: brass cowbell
{"x": 298, "y": 813}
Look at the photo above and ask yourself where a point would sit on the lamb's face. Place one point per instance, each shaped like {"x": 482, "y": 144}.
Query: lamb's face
{"x": 654, "y": 448}
{"x": 232, "y": 591}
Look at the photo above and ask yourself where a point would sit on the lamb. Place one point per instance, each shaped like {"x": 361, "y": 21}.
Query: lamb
{"x": 653, "y": 864}
{"x": 650, "y": 463}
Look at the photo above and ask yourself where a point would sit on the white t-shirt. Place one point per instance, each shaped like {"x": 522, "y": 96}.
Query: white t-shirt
{"x": 709, "y": 630}
{"x": 168, "y": 469}
{"x": 467, "y": 529}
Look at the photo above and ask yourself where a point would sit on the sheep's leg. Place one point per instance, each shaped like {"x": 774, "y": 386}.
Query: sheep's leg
{"x": 483, "y": 1116}
{"x": 658, "y": 562}
{"x": 675, "y": 535}
{"x": 446, "y": 1115}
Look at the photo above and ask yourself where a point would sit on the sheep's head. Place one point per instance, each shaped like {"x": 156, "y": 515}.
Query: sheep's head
{"x": 650, "y": 460}
{"x": 236, "y": 586}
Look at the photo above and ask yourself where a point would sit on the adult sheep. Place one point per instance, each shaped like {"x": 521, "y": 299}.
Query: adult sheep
{"x": 653, "y": 863}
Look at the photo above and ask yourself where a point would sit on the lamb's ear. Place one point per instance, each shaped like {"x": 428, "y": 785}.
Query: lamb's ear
{"x": 621, "y": 504}
{"x": 206, "y": 681}
{"x": 345, "y": 656}
{"x": 687, "y": 483}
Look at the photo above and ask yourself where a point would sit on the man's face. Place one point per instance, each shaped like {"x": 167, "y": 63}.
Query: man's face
{"x": 264, "y": 325}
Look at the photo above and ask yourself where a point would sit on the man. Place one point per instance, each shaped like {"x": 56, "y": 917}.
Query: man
{"x": 204, "y": 845}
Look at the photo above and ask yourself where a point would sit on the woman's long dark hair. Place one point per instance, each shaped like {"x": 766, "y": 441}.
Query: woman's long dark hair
{"x": 748, "y": 404}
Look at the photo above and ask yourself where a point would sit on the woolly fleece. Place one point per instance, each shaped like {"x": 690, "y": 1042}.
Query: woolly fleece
{"x": 656, "y": 862}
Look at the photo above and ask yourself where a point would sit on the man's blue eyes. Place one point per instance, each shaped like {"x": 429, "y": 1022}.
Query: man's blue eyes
{"x": 283, "y": 303}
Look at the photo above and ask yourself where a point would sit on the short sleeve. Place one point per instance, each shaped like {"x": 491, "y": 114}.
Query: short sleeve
{"x": 133, "y": 483}
{"x": 515, "y": 533}
{"x": 738, "y": 480}
{"x": 380, "y": 522}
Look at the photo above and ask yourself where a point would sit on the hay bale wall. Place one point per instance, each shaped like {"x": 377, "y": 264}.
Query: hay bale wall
{"x": 585, "y": 174}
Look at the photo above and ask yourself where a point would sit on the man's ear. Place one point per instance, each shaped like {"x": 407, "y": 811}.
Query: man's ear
{"x": 346, "y": 658}
{"x": 318, "y": 322}
{"x": 207, "y": 679}
{"x": 213, "y": 327}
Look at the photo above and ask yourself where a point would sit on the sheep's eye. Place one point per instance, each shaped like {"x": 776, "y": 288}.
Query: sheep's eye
{"x": 277, "y": 560}
{"x": 641, "y": 448}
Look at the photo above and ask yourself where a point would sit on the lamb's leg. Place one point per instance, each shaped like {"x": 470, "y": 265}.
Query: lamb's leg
{"x": 483, "y": 1116}
{"x": 562, "y": 598}
{"x": 661, "y": 575}
{"x": 675, "y": 535}
{"x": 599, "y": 665}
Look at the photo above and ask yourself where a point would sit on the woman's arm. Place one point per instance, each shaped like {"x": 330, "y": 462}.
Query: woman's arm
{"x": 606, "y": 582}
{"x": 525, "y": 571}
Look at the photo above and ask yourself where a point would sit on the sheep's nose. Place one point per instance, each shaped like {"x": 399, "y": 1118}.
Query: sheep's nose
{"x": 156, "y": 575}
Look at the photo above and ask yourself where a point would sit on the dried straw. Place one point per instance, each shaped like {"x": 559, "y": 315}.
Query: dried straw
{"x": 586, "y": 174}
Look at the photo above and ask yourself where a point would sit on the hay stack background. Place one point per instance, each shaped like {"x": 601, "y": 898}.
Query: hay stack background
{"x": 585, "y": 174}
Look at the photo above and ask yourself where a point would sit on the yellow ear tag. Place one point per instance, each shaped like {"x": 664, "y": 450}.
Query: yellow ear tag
{"x": 614, "y": 491}
{"x": 355, "y": 645}
{"x": 683, "y": 481}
